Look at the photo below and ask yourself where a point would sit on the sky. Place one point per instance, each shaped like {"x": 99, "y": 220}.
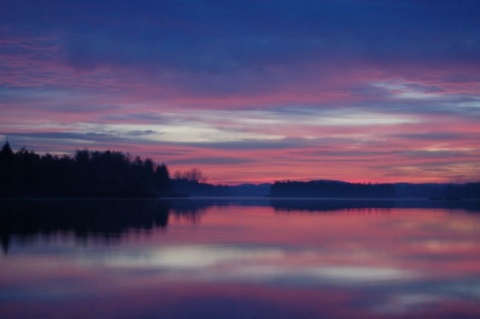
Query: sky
{"x": 250, "y": 91}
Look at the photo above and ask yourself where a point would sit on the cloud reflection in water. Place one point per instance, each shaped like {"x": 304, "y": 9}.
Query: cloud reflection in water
{"x": 245, "y": 264}
{"x": 256, "y": 262}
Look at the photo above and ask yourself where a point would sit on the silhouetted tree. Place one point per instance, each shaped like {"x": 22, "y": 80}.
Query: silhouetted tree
{"x": 193, "y": 182}
{"x": 192, "y": 175}
{"x": 162, "y": 178}
{"x": 6, "y": 169}
{"x": 95, "y": 174}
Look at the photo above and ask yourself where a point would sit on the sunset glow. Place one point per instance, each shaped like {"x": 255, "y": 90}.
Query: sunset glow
{"x": 250, "y": 91}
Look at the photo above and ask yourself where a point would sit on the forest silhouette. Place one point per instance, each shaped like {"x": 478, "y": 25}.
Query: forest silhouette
{"x": 111, "y": 174}
{"x": 331, "y": 189}
{"x": 86, "y": 174}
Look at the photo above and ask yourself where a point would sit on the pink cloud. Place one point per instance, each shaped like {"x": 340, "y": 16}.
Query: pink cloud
{"x": 358, "y": 121}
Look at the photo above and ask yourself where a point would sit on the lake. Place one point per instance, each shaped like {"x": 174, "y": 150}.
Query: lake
{"x": 239, "y": 258}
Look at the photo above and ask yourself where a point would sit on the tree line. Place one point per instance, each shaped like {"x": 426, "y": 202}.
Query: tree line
{"x": 330, "y": 189}
{"x": 86, "y": 174}
{"x": 323, "y": 189}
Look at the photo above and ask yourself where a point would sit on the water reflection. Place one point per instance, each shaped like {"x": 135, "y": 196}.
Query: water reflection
{"x": 107, "y": 220}
{"x": 328, "y": 205}
{"x": 217, "y": 259}
{"x": 316, "y": 205}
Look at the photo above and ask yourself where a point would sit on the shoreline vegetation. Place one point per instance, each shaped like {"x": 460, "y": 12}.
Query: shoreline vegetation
{"x": 86, "y": 174}
{"x": 111, "y": 174}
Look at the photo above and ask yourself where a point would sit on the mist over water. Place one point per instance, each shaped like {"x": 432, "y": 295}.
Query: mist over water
{"x": 224, "y": 258}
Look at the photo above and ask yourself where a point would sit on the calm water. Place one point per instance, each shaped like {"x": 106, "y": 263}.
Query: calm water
{"x": 239, "y": 259}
